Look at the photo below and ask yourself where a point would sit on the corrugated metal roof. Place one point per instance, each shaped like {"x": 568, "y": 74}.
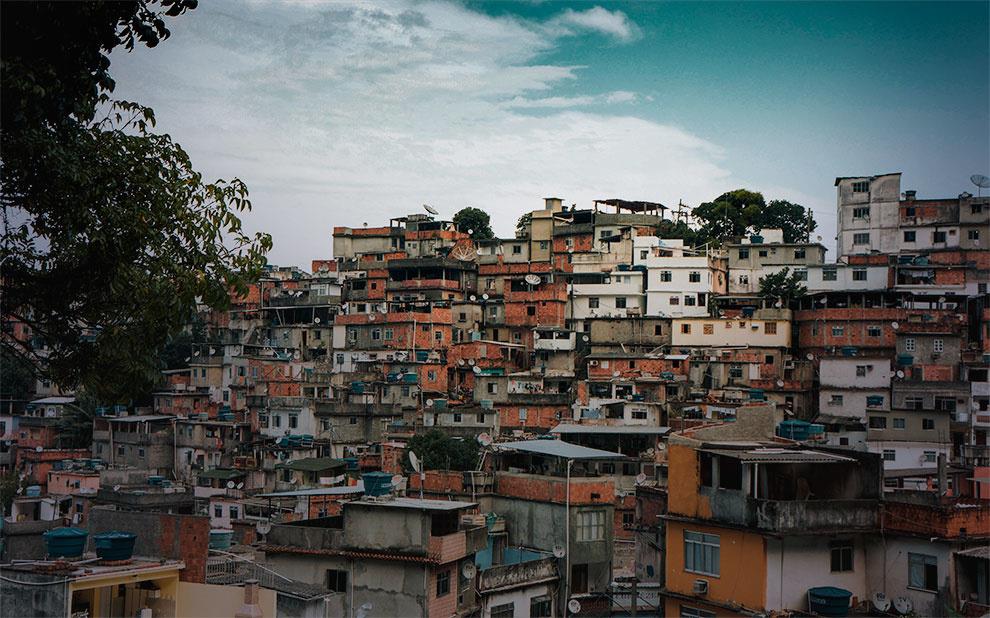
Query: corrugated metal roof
{"x": 779, "y": 455}
{"x": 572, "y": 428}
{"x": 313, "y": 464}
{"x": 220, "y": 473}
{"x": 322, "y": 491}
{"x": 557, "y": 448}
{"x": 416, "y": 503}
{"x": 976, "y": 552}
{"x": 54, "y": 400}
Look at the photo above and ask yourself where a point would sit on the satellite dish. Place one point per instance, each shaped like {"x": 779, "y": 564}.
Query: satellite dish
{"x": 585, "y": 338}
{"x": 558, "y": 551}
{"x": 429, "y": 402}
{"x": 116, "y": 487}
{"x": 903, "y": 606}
{"x": 809, "y": 356}
{"x": 317, "y": 320}
{"x": 414, "y": 462}
{"x": 430, "y": 209}
{"x": 777, "y": 304}
{"x": 471, "y": 361}
{"x": 470, "y": 231}
{"x": 296, "y": 355}
{"x": 532, "y": 279}
{"x": 981, "y": 182}
{"x": 484, "y": 439}
{"x": 574, "y": 606}
{"x": 899, "y": 374}
{"x": 263, "y": 527}
{"x": 484, "y": 297}
{"x": 640, "y": 478}
{"x": 880, "y": 602}
{"x": 473, "y": 298}
{"x": 461, "y": 362}
{"x": 231, "y": 485}
{"x": 780, "y": 383}
{"x": 188, "y": 359}
{"x": 39, "y": 449}
{"x": 616, "y": 374}
{"x": 213, "y": 350}
{"x": 469, "y": 570}
{"x": 292, "y": 482}
{"x": 19, "y": 491}
{"x": 240, "y": 486}
{"x": 371, "y": 317}
{"x": 570, "y": 249}
{"x": 196, "y": 353}
{"x": 476, "y": 370}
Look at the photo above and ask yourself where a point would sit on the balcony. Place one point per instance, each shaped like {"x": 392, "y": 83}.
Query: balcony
{"x": 424, "y": 284}
{"x": 812, "y": 515}
{"x": 458, "y": 545}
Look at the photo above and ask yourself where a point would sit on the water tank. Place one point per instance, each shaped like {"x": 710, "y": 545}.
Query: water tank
{"x": 756, "y": 239}
{"x": 114, "y": 545}
{"x": 220, "y": 538}
{"x": 65, "y": 542}
{"x": 377, "y": 483}
{"x": 33, "y": 491}
{"x": 793, "y": 430}
{"x": 829, "y": 601}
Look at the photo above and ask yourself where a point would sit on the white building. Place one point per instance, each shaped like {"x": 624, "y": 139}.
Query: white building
{"x": 679, "y": 280}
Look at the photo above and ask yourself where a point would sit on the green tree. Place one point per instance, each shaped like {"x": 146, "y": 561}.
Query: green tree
{"x": 522, "y": 224}
{"x": 679, "y": 229}
{"x": 9, "y": 484}
{"x": 475, "y": 221}
{"x": 782, "y": 285}
{"x": 730, "y": 214}
{"x": 438, "y": 451}
{"x": 795, "y": 220}
{"x": 111, "y": 238}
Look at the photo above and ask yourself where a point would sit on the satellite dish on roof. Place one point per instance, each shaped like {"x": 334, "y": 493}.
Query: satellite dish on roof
{"x": 213, "y": 350}
{"x": 196, "y": 353}
{"x": 484, "y": 439}
{"x": 981, "y": 182}
{"x": 899, "y": 374}
{"x": 585, "y": 338}
{"x": 461, "y": 362}
{"x": 473, "y": 298}
{"x": 484, "y": 297}
{"x": 903, "y": 606}
{"x": 263, "y": 527}
{"x": 116, "y": 487}
{"x": 469, "y": 570}
{"x": 574, "y": 606}
{"x": 240, "y": 486}
{"x": 39, "y": 449}
{"x": 880, "y": 602}
{"x": 532, "y": 279}
{"x": 317, "y": 320}
{"x": 296, "y": 355}
{"x": 559, "y": 551}
{"x": 429, "y": 402}
{"x": 231, "y": 485}
{"x": 470, "y": 231}
{"x": 188, "y": 359}
{"x": 471, "y": 361}
{"x": 430, "y": 209}
{"x": 640, "y": 478}
{"x": 777, "y": 304}
{"x": 476, "y": 370}
{"x": 780, "y": 383}
{"x": 371, "y": 317}
{"x": 414, "y": 462}
{"x": 616, "y": 374}
{"x": 809, "y": 356}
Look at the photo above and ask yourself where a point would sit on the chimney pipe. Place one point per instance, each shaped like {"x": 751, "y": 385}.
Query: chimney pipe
{"x": 250, "y": 609}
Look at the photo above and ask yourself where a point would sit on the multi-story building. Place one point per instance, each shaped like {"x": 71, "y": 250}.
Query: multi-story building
{"x": 767, "y": 253}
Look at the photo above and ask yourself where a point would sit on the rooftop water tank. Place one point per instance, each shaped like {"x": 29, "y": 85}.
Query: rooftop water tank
{"x": 33, "y": 491}
{"x": 829, "y": 601}
{"x": 65, "y": 542}
{"x": 377, "y": 483}
{"x": 220, "y": 538}
{"x": 114, "y": 545}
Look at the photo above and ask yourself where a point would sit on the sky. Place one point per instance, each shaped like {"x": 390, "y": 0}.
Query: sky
{"x": 350, "y": 113}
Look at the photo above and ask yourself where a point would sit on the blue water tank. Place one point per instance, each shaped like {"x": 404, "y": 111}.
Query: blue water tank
{"x": 829, "y": 601}
{"x": 377, "y": 483}
{"x": 114, "y": 545}
{"x": 65, "y": 542}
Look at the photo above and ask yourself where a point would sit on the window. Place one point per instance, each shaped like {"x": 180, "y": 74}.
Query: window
{"x": 506, "y": 610}
{"x": 938, "y": 237}
{"x": 665, "y": 276}
{"x": 975, "y": 209}
{"x": 516, "y": 249}
{"x": 709, "y": 329}
{"x": 829, "y": 274}
{"x": 973, "y": 234}
{"x": 909, "y": 344}
{"x": 861, "y": 238}
{"x": 838, "y": 331}
{"x": 735, "y": 371}
{"x": 353, "y": 420}
{"x": 873, "y": 331}
{"x": 841, "y": 556}
{"x": 744, "y": 253}
{"x": 438, "y": 335}
{"x": 928, "y": 423}
{"x": 620, "y": 302}
{"x": 544, "y": 244}
{"x": 861, "y": 370}
{"x": 643, "y": 254}
{"x": 938, "y": 346}
{"x": 769, "y": 328}
{"x": 889, "y": 454}
{"x": 579, "y": 578}
{"x": 701, "y": 553}
{"x": 859, "y": 274}
{"x": 141, "y": 452}
{"x": 694, "y": 276}
{"x": 694, "y": 612}
{"x": 931, "y": 456}
{"x": 218, "y": 510}
{"x": 443, "y": 583}
{"x": 910, "y": 236}
{"x": 539, "y": 607}
{"x": 900, "y": 423}
{"x": 878, "y": 422}
{"x": 492, "y": 388}
{"x": 675, "y": 300}
{"x": 743, "y": 279}
{"x": 835, "y": 400}
{"x": 336, "y": 580}
{"x": 658, "y": 330}
{"x": 861, "y": 212}
{"x": 293, "y": 421}
{"x": 530, "y": 310}
{"x": 277, "y": 420}
{"x": 762, "y": 253}
{"x": 801, "y": 274}
{"x": 590, "y": 526}
{"x": 388, "y": 334}
{"x": 861, "y": 186}
{"x": 431, "y": 375}
{"x": 685, "y": 329}
{"x": 923, "y": 572}
{"x": 593, "y": 302}
{"x": 914, "y": 403}
{"x": 235, "y": 513}
{"x": 689, "y": 301}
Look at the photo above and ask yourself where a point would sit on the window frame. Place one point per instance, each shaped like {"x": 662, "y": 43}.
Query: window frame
{"x": 710, "y": 563}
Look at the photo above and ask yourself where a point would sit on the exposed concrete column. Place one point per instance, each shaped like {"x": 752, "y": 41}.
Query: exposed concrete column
{"x": 250, "y": 609}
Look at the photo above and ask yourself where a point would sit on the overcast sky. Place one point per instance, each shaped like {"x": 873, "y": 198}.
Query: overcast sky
{"x": 351, "y": 113}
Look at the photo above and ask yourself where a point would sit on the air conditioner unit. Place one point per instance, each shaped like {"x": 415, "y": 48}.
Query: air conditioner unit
{"x": 700, "y": 586}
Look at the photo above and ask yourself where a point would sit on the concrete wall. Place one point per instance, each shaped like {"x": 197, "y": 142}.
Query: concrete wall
{"x": 883, "y": 200}
{"x": 841, "y": 372}
{"x": 33, "y": 600}
{"x": 374, "y": 528}
{"x": 201, "y": 600}
{"x": 887, "y": 571}
{"x": 795, "y": 564}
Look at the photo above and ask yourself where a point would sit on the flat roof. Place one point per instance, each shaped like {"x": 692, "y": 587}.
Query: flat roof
{"x": 557, "y": 448}
{"x": 138, "y": 418}
{"x": 573, "y": 428}
{"x": 220, "y": 473}
{"x": 417, "y": 503}
{"x": 778, "y": 455}
{"x": 54, "y": 400}
{"x": 313, "y": 464}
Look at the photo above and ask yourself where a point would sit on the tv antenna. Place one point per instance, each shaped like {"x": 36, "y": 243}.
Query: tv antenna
{"x": 981, "y": 182}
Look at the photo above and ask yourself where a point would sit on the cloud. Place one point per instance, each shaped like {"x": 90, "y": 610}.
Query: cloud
{"x": 597, "y": 19}
{"x": 344, "y": 114}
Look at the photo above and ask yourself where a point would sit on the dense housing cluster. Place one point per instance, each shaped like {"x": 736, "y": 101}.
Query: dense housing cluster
{"x": 657, "y": 429}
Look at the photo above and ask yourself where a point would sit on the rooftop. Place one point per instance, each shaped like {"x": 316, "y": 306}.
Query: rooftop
{"x": 313, "y": 464}
{"x": 572, "y": 428}
{"x": 557, "y": 448}
{"x": 416, "y": 503}
{"x": 778, "y": 455}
